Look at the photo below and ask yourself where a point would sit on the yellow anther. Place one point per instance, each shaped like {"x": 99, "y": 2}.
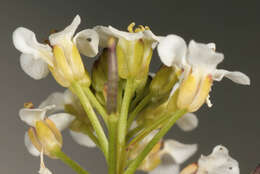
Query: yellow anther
{"x": 131, "y": 27}
{"x": 28, "y": 105}
{"x": 138, "y": 30}
{"x": 141, "y": 27}
{"x": 147, "y": 28}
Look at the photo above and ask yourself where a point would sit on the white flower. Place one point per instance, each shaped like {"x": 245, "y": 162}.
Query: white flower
{"x": 68, "y": 98}
{"x": 36, "y": 57}
{"x": 106, "y": 32}
{"x": 218, "y": 162}
{"x": 199, "y": 62}
{"x": 31, "y": 116}
{"x": 134, "y": 49}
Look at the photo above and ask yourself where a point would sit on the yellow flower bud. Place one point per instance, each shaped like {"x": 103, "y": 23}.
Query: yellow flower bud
{"x": 163, "y": 81}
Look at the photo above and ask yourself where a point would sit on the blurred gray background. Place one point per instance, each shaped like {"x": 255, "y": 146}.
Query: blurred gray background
{"x": 233, "y": 25}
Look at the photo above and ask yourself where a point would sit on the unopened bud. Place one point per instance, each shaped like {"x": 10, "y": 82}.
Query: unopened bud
{"x": 163, "y": 81}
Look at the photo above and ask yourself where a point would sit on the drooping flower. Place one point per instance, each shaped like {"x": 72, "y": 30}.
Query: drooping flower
{"x": 199, "y": 63}
{"x": 44, "y": 133}
{"x": 61, "y": 57}
{"x": 134, "y": 49}
{"x": 68, "y": 102}
{"x": 165, "y": 157}
{"x": 218, "y": 162}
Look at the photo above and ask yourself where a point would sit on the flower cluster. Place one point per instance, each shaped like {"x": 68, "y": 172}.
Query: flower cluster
{"x": 136, "y": 106}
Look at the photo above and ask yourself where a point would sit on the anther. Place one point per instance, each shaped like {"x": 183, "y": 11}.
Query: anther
{"x": 131, "y": 27}
{"x": 28, "y": 105}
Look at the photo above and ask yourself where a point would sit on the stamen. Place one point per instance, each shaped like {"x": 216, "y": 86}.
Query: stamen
{"x": 28, "y": 105}
{"x": 131, "y": 27}
{"x": 147, "y": 28}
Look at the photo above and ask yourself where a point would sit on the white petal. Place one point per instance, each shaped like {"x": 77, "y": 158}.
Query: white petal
{"x": 170, "y": 168}
{"x": 69, "y": 97}
{"x": 172, "y": 50}
{"x": 82, "y": 139}
{"x": 188, "y": 122}
{"x": 212, "y": 46}
{"x": 30, "y": 147}
{"x": 66, "y": 34}
{"x": 218, "y": 162}
{"x": 106, "y": 32}
{"x": 30, "y": 116}
{"x": 177, "y": 151}
{"x": 148, "y": 35}
{"x": 57, "y": 99}
{"x": 235, "y": 76}
{"x": 87, "y": 42}
{"x": 25, "y": 41}
{"x": 62, "y": 120}
{"x": 126, "y": 35}
{"x": 35, "y": 68}
{"x": 203, "y": 56}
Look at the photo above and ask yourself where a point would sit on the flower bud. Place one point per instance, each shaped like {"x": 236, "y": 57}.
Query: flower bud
{"x": 163, "y": 81}
{"x": 68, "y": 67}
{"x": 79, "y": 126}
{"x": 152, "y": 112}
{"x": 100, "y": 71}
{"x": 45, "y": 136}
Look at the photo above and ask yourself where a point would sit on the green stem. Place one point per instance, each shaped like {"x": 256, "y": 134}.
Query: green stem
{"x": 122, "y": 124}
{"x": 149, "y": 129}
{"x": 135, "y": 164}
{"x": 92, "y": 117}
{"x": 96, "y": 104}
{"x": 75, "y": 166}
{"x": 112, "y": 143}
{"x": 139, "y": 107}
{"x": 133, "y": 132}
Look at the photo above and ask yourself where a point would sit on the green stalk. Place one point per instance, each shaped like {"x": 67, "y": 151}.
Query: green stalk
{"x": 112, "y": 143}
{"x": 101, "y": 110}
{"x": 149, "y": 129}
{"x": 75, "y": 166}
{"x": 139, "y": 107}
{"x": 135, "y": 164}
{"x": 92, "y": 117}
{"x": 122, "y": 123}
{"x": 133, "y": 132}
